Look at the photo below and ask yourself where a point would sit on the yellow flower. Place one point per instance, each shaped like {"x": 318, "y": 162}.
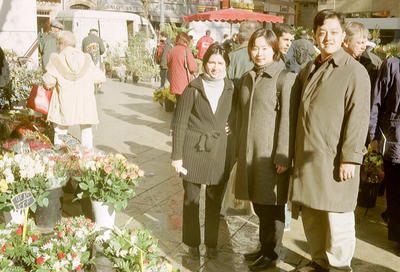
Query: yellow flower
{"x": 3, "y": 185}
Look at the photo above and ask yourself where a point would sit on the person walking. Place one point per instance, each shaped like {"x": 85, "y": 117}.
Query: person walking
{"x": 333, "y": 114}
{"x": 199, "y": 145}
{"x": 72, "y": 74}
{"x": 264, "y": 136}
{"x": 94, "y": 46}
{"x": 48, "y": 43}
{"x": 203, "y": 43}
{"x": 164, "y": 48}
{"x": 384, "y": 122}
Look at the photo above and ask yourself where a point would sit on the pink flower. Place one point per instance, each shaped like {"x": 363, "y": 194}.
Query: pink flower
{"x": 146, "y": 262}
{"x": 73, "y": 256}
{"x": 78, "y": 268}
{"x": 60, "y": 234}
{"x": 141, "y": 173}
{"x": 133, "y": 175}
{"x": 117, "y": 172}
{"x": 3, "y": 248}
{"x": 150, "y": 249}
{"x": 124, "y": 175}
{"x": 108, "y": 169}
{"x": 35, "y": 237}
{"x": 19, "y": 230}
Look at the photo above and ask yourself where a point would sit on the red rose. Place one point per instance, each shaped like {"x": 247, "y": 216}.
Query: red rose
{"x": 146, "y": 262}
{"x": 3, "y": 248}
{"x": 67, "y": 229}
{"x": 107, "y": 169}
{"x": 40, "y": 260}
{"x": 61, "y": 255}
{"x": 60, "y": 234}
{"x": 19, "y": 230}
{"x": 35, "y": 237}
{"x": 73, "y": 256}
{"x": 78, "y": 268}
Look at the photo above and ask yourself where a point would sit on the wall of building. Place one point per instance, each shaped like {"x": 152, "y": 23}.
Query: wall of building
{"x": 389, "y": 8}
{"x": 306, "y": 11}
{"x": 15, "y": 33}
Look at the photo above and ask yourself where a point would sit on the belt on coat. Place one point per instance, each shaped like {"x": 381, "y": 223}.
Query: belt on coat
{"x": 208, "y": 140}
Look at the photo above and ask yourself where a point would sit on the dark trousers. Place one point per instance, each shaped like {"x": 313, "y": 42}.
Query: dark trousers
{"x": 392, "y": 179}
{"x": 191, "y": 224}
{"x": 272, "y": 223}
{"x": 164, "y": 76}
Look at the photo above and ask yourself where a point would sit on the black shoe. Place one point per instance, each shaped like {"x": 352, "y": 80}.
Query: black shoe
{"x": 251, "y": 257}
{"x": 194, "y": 253}
{"x": 212, "y": 252}
{"x": 262, "y": 263}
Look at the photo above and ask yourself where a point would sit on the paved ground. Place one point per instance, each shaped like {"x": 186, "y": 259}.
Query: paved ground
{"x": 131, "y": 123}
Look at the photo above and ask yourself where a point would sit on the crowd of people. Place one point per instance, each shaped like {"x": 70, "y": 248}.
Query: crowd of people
{"x": 294, "y": 120}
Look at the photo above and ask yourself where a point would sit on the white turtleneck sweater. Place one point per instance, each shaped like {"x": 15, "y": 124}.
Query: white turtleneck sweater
{"x": 213, "y": 87}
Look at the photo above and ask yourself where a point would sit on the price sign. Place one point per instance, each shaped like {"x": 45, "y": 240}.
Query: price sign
{"x": 23, "y": 200}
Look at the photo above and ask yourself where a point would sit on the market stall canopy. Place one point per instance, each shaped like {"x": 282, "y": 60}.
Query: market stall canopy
{"x": 232, "y": 15}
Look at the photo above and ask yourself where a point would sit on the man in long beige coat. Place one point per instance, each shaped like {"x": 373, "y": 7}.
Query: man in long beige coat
{"x": 332, "y": 124}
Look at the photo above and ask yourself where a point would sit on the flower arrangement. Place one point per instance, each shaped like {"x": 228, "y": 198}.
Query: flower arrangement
{"x": 372, "y": 167}
{"x": 15, "y": 255}
{"x": 134, "y": 250}
{"x": 24, "y": 172}
{"x": 68, "y": 249}
{"x": 108, "y": 178}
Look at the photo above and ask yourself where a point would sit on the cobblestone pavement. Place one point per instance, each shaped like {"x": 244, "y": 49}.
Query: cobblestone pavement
{"x": 131, "y": 123}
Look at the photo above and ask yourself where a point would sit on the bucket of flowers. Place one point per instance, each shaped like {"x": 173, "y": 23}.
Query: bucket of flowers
{"x": 372, "y": 174}
{"x": 15, "y": 255}
{"x": 108, "y": 181}
{"x": 20, "y": 173}
{"x": 133, "y": 250}
{"x": 68, "y": 249}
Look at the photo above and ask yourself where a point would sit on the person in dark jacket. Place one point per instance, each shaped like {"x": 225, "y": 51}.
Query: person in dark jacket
{"x": 355, "y": 43}
{"x": 300, "y": 53}
{"x": 199, "y": 147}
{"x": 166, "y": 45}
{"x": 94, "y": 46}
{"x": 48, "y": 43}
{"x": 264, "y": 136}
{"x": 385, "y": 122}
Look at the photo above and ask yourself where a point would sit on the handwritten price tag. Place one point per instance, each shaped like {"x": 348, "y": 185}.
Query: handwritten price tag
{"x": 23, "y": 200}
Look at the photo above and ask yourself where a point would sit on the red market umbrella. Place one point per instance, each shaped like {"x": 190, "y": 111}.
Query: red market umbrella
{"x": 232, "y": 15}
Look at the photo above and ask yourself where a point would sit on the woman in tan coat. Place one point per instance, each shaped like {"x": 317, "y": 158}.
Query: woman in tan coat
{"x": 265, "y": 134}
{"x": 73, "y": 75}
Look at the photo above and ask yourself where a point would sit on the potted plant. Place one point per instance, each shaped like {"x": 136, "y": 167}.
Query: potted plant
{"x": 164, "y": 97}
{"x": 20, "y": 173}
{"x": 61, "y": 166}
{"x": 133, "y": 250}
{"x": 372, "y": 175}
{"x": 139, "y": 59}
{"x": 67, "y": 249}
{"x": 108, "y": 181}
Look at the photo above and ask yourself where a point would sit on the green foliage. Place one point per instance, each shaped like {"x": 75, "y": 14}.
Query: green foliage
{"x": 139, "y": 59}
{"x": 130, "y": 248}
{"x": 22, "y": 78}
{"x": 388, "y": 50}
{"x": 172, "y": 30}
{"x": 298, "y": 29}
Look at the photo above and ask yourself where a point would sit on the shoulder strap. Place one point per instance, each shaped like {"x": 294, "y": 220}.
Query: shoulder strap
{"x": 186, "y": 67}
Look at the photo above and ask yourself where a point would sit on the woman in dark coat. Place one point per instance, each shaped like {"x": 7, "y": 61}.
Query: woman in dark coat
{"x": 265, "y": 134}
{"x": 385, "y": 119}
{"x": 199, "y": 146}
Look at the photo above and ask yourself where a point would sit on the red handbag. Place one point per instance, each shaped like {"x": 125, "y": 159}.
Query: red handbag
{"x": 39, "y": 99}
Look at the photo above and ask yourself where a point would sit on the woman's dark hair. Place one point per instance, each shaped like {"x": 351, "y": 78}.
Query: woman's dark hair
{"x": 215, "y": 48}
{"x": 182, "y": 37}
{"x": 321, "y": 16}
{"x": 271, "y": 39}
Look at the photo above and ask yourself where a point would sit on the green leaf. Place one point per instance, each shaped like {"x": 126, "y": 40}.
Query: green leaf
{"x": 83, "y": 186}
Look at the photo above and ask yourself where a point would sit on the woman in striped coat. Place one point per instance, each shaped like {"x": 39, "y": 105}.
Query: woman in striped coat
{"x": 199, "y": 146}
